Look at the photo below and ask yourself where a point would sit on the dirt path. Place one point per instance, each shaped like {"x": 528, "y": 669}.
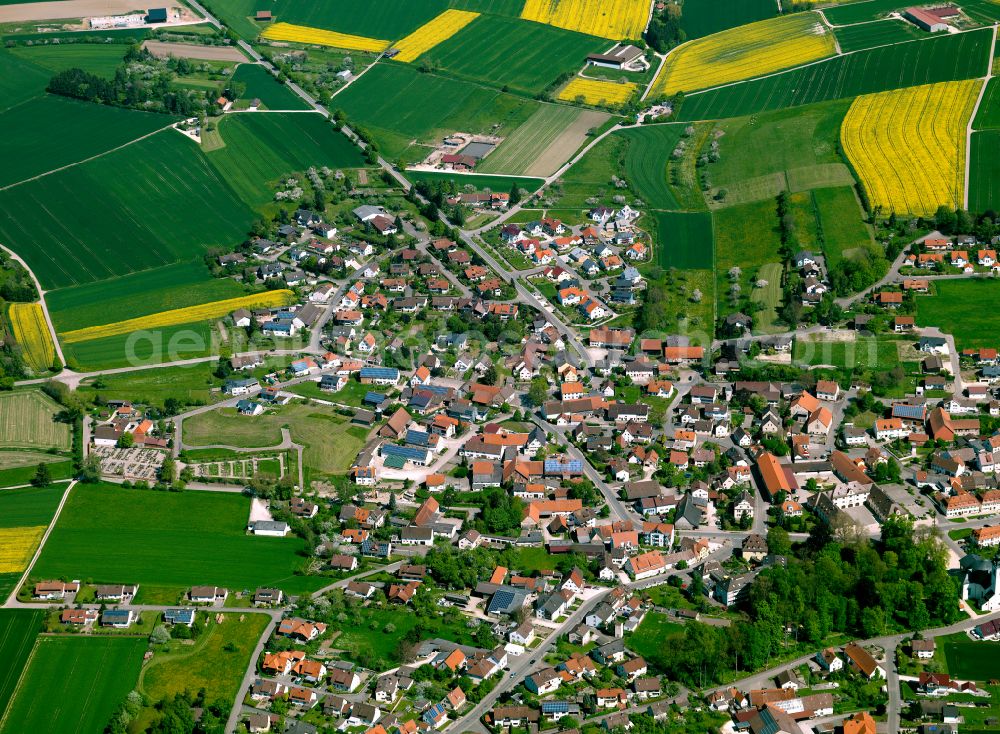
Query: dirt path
{"x": 566, "y": 143}
{"x": 193, "y": 51}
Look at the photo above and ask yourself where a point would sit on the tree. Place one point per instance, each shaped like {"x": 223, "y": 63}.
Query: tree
{"x": 90, "y": 471}
{"x": 515, "y": 194}
{"x": 778, "y": 542}
{"x": 126, "y": 440}
{"x": 489, "y": 376}
{"x": 538, "y": 391}
{"x": 42, "y": 476}
{"x": 160, "y": 635}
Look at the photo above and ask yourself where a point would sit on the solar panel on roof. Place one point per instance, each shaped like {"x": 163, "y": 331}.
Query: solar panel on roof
{"x": 395, "y": 462}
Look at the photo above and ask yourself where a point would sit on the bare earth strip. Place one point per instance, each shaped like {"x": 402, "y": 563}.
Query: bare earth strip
{"x": 565, "y": 144}
{"x": 193, "y": 51}
{"x": 67, "y": 9}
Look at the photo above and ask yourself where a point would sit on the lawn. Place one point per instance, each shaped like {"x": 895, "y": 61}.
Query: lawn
{"x": 167, "y": 542}
{"x": 969, "y": 660}
{"x": 531, "y": 559}
{"x": 513, "y": 53}
{"x": 18, "y": 630}
{"x": 946, "y": 58}
{"x": 82, "y": 224}
{"x": 330, "y": 444}
{"x": 190, "y": 384}
{"x": 84, "y": 680}
{"x": 704, "y": 17}
{"x": 138, "y": 294}
{"x": 861, "y": 353}
{"x": 28, "y": 420}
{"x": 652, "y": 635}
{"x": 259, "y": 149}
{"x": 949, "y": 309}
{"x": 41, "y": 123}
{"x": 684, "y": 240}
{"x": 391, "y": 102}
{"x": 262, "y": 85}
{"x": 206, "y": 664}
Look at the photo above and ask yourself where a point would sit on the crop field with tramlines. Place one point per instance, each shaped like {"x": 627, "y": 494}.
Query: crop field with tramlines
{"x": 305, "y": 34}
{"x": 597, "y": 91}
{"x": 27, "y": 322}
{"x": 18, "y": 630}
{"x": 615, "y": 19}
{"x": 748, "y": 51}
{"x": 188, "y": 315}
{"x": 908, "y": 146}
{"x": 431, "y": 34}
{"x": 27, "y": 420}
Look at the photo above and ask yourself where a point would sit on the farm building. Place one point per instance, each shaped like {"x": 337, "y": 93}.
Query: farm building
{"x": 619, "y": 57}
{"x": 931, "y": 20}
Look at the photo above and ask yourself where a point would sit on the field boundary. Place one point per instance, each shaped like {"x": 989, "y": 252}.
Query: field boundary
{"x": 34, "y": 559}
{"x": 972, "y": 118}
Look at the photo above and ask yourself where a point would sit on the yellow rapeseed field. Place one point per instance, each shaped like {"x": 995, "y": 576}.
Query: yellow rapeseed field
{"x": 744, "y": 52}
{"x": 908, "y": 145}
{"x": 17, "y": 545}
{"x": 597, "y": 91}
{"x": 30, "y": 331}
{"x": 432, "y": 33}
{"x": 189, "y": 315}
{"x": 305, "y": 34}
{"x": 615, "y": 19}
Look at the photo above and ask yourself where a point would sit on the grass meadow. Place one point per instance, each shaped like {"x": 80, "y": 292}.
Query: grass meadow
{"x": 968, "y": 660}
{"x": 862, "y": 352}
{"x": 397, "y": 104}
{"x": 770, "y": 296}
{"x": 28, "y": 421}
{"x": 261, "y": 148}
{"x": 41, "y": 124}
{"x": 946, "y": 58}
{"x": 508, "y": 52}
{"x": 84, "y": 679}
{"x": 746, "y": 236}
{"x": 167, "y": 542}
{"x": 652, "y": 635}
{"x": 263, "y": 86}
{"x": 209, "y": 663}
{"x": 948, "y": 308}
{"x": 18, "y": 630}
{"x": 83, "y": 224}
{"x": 684, "y": 240}
{"x": 189, "y": 384}
{"x": 646, "y": 159}
{"x": 840, "y": 217}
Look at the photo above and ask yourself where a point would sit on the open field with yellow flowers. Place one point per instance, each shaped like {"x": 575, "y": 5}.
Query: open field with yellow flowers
{"x": 745, "y": 52}
{"x": 908, "y": 145}
{"x": 432, "y": 33}
{"x": 30, "y": 332}
{"x": 305, "y": 34}
{"x": 597, "y": 91}
{"x": 615, "y": 19}
{"x": 189, "y": 315}
{"x": 17, "y": 545}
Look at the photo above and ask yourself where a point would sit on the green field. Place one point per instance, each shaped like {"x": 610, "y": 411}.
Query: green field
{"x": 41, "y": 124}
{"x": 840, "y": 218}
{"x": 391, "y": 102}
{"x": 646, "y": 156}
{"x": 968, "y": 660}
{"x": 190, "y": 384}
{"x": 386, "y": 19}
{"x": 752, "y": 168}
{"x": 83, "y": 224}
{"x": 862, "y": 353}
{"x": 982, "y": 11}
{"x": 144, "y": 348}
{"x": 167, "y": 542}
{"x": 28, "y": 506}
{"x": 138, "y": 294}
{"x": 704, "y": 17}
{"x": 84, "y": 679}
{"x": 100, "y": 59}
{"x": 988, "y": 116}
{"x": 949, "y": 309}
{"x": 28, "y": 421}
{"x": 591, "y": 175}
{"x": 262, "y": 148}
{"x": 477, "y": 182}
{"x": 508, "y": 52}
{"x": 869, "y": 35}
{"x": 519, "y": 151}
{"x": 330, "y": 444}
{"x": 940, "y": 59}
{"x": 684, "y": 240}
{"x": 207, "y": 664}
{"x": 652, "y": 635}
{"x": 20, "y": 80}
{"x": 59, "y": 468}
{"x": 984, "y": 174}
{"x": 747, "y": 237}
{"x": 18, "y": 630}
{"x": 263, "y": 86}
{"x": 770, "y": 296}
